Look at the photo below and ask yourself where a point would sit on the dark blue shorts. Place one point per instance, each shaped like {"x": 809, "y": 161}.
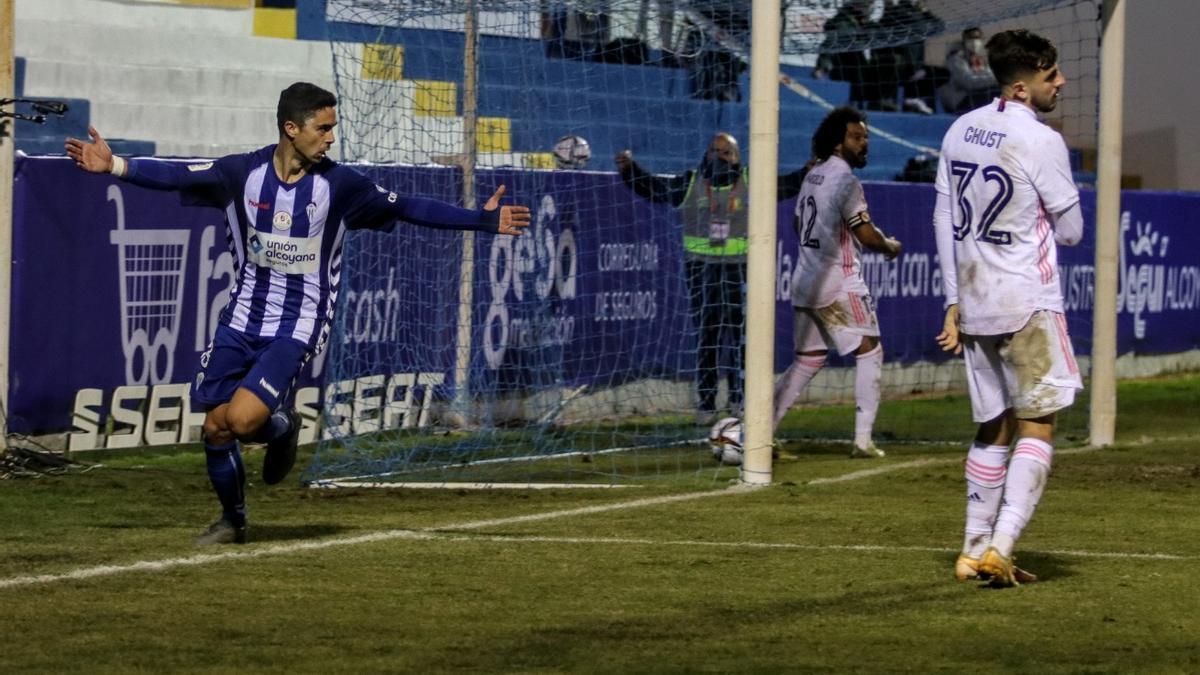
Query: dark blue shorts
{"x": 266, "y": 366}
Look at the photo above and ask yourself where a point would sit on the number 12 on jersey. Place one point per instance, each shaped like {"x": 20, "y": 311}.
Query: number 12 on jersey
{"x": 806, "y": 219}
{"x": 965, "y": 172}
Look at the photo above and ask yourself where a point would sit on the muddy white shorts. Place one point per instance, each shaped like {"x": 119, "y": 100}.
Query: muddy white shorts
{"x": 1032, "y": 371}
{"x": 840, "y": 326}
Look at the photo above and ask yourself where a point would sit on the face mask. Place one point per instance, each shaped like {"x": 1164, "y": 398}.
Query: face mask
{"x": 719, "y": 171}
{"x": 975, "y": 46}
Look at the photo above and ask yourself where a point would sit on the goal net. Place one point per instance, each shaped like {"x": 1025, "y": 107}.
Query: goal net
{"x": 594, "y": 350}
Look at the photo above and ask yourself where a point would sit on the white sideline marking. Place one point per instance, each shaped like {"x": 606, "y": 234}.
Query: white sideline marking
{"x": 325, "y": 484}
{"x": 434, "y": 532}
{"x": 865, "y": 548}
{"x": 867, "y": 473}
{"x": 372, "y": 537}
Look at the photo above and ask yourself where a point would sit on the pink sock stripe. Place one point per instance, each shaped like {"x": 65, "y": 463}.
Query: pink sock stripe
{"x": 873, "y": 352}
{"x": 1033, "y": 452}
{"x": 979, "y": 469}
{"x": 812, "y": 361}
{"x": 986, "y": 476}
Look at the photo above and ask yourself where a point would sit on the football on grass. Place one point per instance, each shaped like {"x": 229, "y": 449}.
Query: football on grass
{"x": 725, "y": 441}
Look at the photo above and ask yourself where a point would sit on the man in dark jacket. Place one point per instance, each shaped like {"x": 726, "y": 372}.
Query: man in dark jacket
{"x": 712, "y": 203}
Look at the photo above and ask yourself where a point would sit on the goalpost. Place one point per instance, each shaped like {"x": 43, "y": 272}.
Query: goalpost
{"x": 760, "y": 314}
{"x": 7, "y": 77}
{"x": 571, "y": 355}
{"x": 1103, "y": 420}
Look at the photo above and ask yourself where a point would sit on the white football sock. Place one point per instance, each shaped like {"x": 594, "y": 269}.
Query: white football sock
{"x": 985, "y": 472}
{"x": 868, "y": 371}
{"x": 1027, "y": 474}
{"x": 794, "y": 380}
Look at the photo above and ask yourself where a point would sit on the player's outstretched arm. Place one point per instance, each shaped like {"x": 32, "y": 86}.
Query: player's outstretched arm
{"x": 513, "y": 219}
{"x": 92, "y": 156}
{"x": 202, "y": 181}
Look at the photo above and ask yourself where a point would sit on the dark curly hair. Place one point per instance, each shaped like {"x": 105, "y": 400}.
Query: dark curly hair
{"x": 833, "y": 130}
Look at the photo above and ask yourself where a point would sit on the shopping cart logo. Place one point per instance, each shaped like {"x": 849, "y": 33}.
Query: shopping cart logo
{"x": 152, "y": 266}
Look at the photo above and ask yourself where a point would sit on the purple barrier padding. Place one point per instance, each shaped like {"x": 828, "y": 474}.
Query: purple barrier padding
{"x": 593, "y": 294}
{"x": 78, "y": 319}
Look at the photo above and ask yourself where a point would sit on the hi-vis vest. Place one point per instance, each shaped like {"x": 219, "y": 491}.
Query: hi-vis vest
{"x": 715, "y": 220}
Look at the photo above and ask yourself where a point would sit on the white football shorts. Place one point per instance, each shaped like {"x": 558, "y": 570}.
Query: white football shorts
{"x": 1032, "y": 371}
{"x": 840, "y": 326}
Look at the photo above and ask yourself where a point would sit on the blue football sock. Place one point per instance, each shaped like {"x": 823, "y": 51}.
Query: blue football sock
{"x": 228, "y": 476}
{"x": 276, "y": 425}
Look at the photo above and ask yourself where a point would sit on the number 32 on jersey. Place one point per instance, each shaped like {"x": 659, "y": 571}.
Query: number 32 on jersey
{"x": 965, "y": 172}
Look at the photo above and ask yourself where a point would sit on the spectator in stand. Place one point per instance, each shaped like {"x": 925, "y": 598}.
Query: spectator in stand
{"x": 845, "y": 58}
{"x": 971, "y": 83}
{"x": 714, "y": 68}
{"x": 576, "y": 34}
{"x": 839, "y": 61}
{"x": 904, "y": 65}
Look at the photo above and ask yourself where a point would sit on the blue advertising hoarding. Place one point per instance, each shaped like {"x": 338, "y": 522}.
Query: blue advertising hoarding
{"x": 116, "y": 287}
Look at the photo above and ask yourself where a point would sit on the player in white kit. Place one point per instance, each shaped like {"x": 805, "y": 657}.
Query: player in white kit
{"x": 833, "y": 305}
{"x": 1005, "y": 197}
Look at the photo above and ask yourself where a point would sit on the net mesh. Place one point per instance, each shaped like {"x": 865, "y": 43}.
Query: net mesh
{"x": 592, "y": 350}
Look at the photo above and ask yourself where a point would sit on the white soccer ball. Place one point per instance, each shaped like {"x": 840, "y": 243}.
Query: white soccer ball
{"x": 572, "y": 152}
{"x": 725, "y": 441}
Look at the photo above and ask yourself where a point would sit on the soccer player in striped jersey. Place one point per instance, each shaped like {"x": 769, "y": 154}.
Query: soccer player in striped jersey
{"x": 833, "y": 306}
{"x": 1005, "y": 198}
{"x": 288, "y": 207}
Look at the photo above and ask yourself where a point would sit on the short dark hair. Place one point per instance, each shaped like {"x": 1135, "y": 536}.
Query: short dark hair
{"x": 300, "y": 101}
{"x": 832, "y": 130}
{"x": 1016, "y": 53}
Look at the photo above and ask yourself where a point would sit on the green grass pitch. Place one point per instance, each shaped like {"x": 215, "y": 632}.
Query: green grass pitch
{"x": 842, "y": 565}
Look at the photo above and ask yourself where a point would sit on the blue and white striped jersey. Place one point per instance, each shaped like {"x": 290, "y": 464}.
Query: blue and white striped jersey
{"x": 287, "y": 239}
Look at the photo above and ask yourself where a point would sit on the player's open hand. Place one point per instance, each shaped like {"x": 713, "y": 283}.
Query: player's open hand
{"x": 624, "y": 160}
{"x": 894, "y": 248}
{"x": 949, "y": 338}
{"x": 513, "y": 219}
{"x": 95, "y": 156}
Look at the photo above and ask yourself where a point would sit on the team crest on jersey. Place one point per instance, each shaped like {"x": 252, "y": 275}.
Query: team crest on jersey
{"x": 391, "y": 196}
{"x": 200, "y": 167}
{"x": 282, "y": 220}
{"x": 311, "y": 210}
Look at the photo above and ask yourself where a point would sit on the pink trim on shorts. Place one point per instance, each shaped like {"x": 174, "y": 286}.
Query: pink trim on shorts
{"x": 1064, "y": 341}
{"x": 860, "y": 315}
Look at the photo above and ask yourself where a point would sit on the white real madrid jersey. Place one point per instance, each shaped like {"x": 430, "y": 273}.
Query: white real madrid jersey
{"x": 1004, "y": 171}
{"x": 831, "y": 204}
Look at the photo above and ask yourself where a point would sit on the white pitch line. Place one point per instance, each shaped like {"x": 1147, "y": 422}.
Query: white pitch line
{"x": 373, "y": 537}
{"x": 864, "y": 548}
{"x": 432, "y": 532}
{"x": 867, "y": 473}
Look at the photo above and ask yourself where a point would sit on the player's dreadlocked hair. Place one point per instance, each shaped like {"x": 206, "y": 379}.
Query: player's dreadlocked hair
{"x": 301, "y": 101}
{"x": 1014, "y": 53}
{"x": 833, "y": 130}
